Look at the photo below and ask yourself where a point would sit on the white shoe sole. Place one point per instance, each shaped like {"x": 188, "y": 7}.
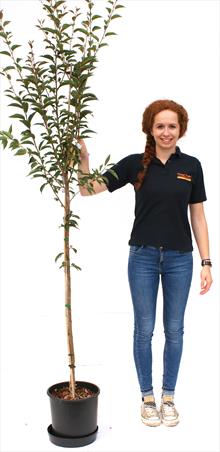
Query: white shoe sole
{"x": 170, "y": 423}
{"x": 151, "y": 423}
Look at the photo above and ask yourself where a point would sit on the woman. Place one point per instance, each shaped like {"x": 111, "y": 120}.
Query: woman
{"x": 166, "y": 181}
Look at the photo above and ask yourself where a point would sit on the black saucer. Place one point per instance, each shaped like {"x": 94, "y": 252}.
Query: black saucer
{"x": 77, "y": 441}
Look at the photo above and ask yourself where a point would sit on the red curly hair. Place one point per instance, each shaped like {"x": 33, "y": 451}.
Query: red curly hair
{"x": 147, "y": 124}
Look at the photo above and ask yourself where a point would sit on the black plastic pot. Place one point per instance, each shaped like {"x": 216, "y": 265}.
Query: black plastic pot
{"x": 74, "y": 422}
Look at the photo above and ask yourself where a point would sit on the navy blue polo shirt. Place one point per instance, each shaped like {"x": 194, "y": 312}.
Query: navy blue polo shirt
{"x": 161, "y": 204}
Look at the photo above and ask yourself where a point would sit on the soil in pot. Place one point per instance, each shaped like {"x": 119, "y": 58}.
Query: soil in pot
{"x": 80, "y": 393}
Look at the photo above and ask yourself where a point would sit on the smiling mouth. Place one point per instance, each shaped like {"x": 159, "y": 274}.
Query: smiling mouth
{"x": 166, "y": 140}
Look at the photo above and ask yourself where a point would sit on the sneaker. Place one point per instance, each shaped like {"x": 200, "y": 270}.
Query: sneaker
{"x": 168, "y": 412}
{"x": 149, "y": 413}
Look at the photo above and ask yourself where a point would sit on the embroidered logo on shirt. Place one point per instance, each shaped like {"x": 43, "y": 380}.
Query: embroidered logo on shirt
{"x": 184, "y": 176}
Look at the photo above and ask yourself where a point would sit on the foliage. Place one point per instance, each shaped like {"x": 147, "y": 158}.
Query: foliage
{"x": 51, "y": 96}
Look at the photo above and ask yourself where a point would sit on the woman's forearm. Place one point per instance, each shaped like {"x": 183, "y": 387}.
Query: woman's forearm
{"x": 83, "y": 169}
{"x": 200, "y": 231}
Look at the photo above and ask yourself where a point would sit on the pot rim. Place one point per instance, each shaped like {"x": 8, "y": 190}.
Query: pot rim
{"x": 66, "y": 383}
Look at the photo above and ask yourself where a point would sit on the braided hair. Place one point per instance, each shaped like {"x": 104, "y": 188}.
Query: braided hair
{"x": 147, "y": 124}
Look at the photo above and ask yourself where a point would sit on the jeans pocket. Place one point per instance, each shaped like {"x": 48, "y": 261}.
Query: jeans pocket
{"x": 136, "y": 248}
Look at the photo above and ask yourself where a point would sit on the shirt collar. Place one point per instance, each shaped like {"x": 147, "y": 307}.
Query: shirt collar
{"x": 178, "y": 152}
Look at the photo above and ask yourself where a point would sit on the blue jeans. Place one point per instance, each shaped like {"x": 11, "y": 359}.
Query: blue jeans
{"x": 145, "y": 265}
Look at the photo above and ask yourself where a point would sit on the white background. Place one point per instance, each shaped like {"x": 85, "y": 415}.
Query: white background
{"x": 164, "y": 49}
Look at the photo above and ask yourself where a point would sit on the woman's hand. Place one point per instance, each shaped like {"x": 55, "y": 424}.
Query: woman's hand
{"x": 206, "y": 279}
{"x": 97, "y": 187}
{"x": 83, "y": 151}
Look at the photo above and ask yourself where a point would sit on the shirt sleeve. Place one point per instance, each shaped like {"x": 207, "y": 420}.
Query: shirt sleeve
{"x": 198, "y": 193}
{"x": 123, "y": 169}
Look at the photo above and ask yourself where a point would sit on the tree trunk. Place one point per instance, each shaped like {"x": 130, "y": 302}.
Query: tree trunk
{"x": 67, "y": 275}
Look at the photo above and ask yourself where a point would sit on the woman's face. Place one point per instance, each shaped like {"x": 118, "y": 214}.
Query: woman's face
{"x": 166, "y": 129}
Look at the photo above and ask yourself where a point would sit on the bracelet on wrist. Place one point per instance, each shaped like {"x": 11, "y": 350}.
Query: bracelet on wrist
{"x": 206, "y": 262}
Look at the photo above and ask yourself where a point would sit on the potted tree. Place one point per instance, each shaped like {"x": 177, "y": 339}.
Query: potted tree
{"x": 51, "y": 96}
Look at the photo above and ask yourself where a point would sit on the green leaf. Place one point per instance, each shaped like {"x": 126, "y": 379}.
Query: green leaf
{"x": 17, "y": 116}
{"x": 43, "y": 186}
{"x": 48, "y": 8}
{"x": 8, "y": 134}
{"x": 95, "y": 37}
{"x": 88, "y": 60}
{"x": 103, "y": 44}
{"x": 33, "y": 163}
{"x": 8, "y": 68}
{"x": 72, "y": 82}
{"x": 86, "y": 131}
{"x": 4, "y": 52}
{"x": 107, "y": 159}
{"x": 48, "y": 57}
{"x": 96, "y": 16}
{"x": 35, "y": 170}
{"x": 111, "y": 33}
{"x": 113, "y": 173}
{"x": 58, "y": 255}
{"x": 28, "y": 134}
{"x": 50, "y": 30}
{"x": 4, "y": 142}
{"x": 21, "y": 152}
{"x": 24, "y": 141}
{"x": 58, "y": 3}
{"x": 30, "y": 117}
{"x": 15, "y": 105}
{"x": 84, "y": 113}
{"x": 85, "y": 23}
{"x": 68, "y": 306}
{"x": 72, "y": 224}
{"x": 96, "y": 28}
{"x": 81, "y": 39}
{"x": 65, "y": 26}
{"x": 15, "y": 46}
{"x": 82, "y": 30}
{"x": 76, "y": 266}
{"x": 25, "y": 106}
{"x": 91, "y": 96}
{"x": 115, "y": 16}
